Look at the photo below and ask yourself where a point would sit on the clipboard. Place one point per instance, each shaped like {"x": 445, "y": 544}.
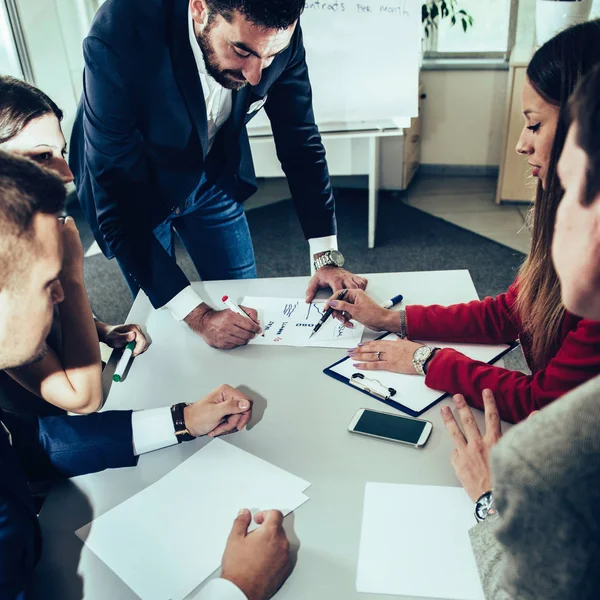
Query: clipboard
{"x": 388, "y": 387}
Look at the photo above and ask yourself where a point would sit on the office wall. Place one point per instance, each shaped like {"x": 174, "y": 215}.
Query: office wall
{"x": 54, "y": 30}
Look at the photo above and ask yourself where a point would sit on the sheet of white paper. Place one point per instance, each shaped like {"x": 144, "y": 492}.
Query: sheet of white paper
{"x": 138, "y": 541}
{"x": 289, "y": 322}
{"x": 407, "y": 537}
{"x": 411, "y": 390}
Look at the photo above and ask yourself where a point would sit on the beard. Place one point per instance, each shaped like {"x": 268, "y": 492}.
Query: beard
{"x": 228, "y": 78}
{"x": 17, "y": 363}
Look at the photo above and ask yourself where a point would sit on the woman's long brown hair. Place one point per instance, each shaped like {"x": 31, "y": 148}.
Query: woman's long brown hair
{"x": 554, "y": 72}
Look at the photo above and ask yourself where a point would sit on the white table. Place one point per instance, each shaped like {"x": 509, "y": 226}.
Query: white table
{"x": 303, "y": 430}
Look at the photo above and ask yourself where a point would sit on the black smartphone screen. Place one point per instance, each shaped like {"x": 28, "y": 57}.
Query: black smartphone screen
{"x": 397, "y": 428}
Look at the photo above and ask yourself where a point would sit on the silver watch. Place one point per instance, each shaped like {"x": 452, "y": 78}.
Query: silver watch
{"x": 330, "y": 258}
{"x": 421, "y": 356}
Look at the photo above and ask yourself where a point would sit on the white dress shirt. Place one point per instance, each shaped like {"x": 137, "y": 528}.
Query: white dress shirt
{"x": 220, "y": 589}
{"x": 218, "y": 102}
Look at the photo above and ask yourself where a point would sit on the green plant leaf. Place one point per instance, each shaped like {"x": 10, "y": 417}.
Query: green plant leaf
{"x": 465, "y": 25}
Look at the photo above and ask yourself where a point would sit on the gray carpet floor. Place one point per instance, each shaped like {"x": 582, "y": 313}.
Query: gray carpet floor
{"x": 407, "y": 240}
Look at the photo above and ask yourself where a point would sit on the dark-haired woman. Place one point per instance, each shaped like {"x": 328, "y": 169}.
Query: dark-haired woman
{"x": 562, "y": 350}
{"x": 69, "y": 376}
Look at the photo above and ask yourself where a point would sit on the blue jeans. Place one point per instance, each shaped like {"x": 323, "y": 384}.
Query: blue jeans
{"x": 214, "y": 230}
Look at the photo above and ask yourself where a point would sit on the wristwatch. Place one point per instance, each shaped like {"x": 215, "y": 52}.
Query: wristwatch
{"x": 181, "y": 431}
{"x": 329, "y": 258}
{"x": 484, "y": 506}
{"x": 420, "y": 358}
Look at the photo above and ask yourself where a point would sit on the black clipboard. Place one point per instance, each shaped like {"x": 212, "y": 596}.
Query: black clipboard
{"x": 369, "y": 385}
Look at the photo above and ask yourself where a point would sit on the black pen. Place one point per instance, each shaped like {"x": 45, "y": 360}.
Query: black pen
{"x": 327, "y": 314}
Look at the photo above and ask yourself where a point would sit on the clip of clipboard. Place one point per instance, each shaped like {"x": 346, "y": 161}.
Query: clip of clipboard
{"x": 369, "y": 386}
{"x": 388, "y": 395}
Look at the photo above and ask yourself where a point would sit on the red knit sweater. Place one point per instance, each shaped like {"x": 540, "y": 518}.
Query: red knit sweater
{"x": 493, "y": 321}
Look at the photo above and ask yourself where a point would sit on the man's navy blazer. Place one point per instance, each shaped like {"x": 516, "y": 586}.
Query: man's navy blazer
{"x": 139, "y": 143}
{"x": 33, "y": 449}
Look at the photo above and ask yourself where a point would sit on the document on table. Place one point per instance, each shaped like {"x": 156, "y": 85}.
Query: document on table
{"x": 141, "y": 540}
{"x": 411, "y": 391}
{"x": 289, "y": 322}
{"x": 411, "y": 547}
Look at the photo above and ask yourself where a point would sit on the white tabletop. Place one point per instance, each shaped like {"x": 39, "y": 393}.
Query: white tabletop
{"x": 300, "y": 424}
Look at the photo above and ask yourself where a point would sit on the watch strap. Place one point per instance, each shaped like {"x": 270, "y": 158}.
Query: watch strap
{"x": 428, "y": 361}
{"x": 181, "y": 432}
{"x": 323, "y": 261}
{"x": 402, "y": 333}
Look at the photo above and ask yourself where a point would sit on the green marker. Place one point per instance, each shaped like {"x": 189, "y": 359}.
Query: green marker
{"x": 124, "y": 361}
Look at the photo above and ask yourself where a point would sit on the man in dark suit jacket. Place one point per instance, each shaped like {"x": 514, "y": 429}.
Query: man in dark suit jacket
{"x": 160, "y": 144}
{"x": 36, "y": 449}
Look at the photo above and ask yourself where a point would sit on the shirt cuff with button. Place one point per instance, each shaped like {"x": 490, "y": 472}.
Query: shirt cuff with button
{"x": 184, "y": 303}
{"x": 152, "y": 429}
{"x": 321, "y": 244}
{"x": 220, "y": 589}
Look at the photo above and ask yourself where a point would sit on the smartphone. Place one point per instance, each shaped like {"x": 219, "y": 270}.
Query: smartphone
{"x": 391, "y": 427}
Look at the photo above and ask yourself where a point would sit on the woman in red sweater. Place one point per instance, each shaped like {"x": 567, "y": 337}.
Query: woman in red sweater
{"x": 561, "y": 349}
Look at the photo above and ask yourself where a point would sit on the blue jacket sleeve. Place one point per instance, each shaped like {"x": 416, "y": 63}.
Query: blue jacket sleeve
{"x": 122, "y": 181}
{"x": 72, "y": 445}
{"x": 299, "y": 146}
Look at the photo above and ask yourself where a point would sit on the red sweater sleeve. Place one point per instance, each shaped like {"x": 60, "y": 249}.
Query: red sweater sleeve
{"x": 488, "y": 321}
{"x": 517, "y": 394}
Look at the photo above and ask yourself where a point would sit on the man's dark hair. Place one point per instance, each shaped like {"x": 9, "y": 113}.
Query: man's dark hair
{"x": 21, "y": 103}
{"x": 25, "y": 190}
{"x": 585, "y": 111}
{"x": 268, "y": 14}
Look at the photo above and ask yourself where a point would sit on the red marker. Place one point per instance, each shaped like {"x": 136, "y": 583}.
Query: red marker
{"x": 231, "y": 305}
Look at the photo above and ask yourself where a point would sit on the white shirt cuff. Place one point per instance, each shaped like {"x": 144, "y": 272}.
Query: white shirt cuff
{"x": 321, "y": 244}
{"x": 184, "y": 303}
{"x": 152, "y": 429}
{"x": 219, "y": 589}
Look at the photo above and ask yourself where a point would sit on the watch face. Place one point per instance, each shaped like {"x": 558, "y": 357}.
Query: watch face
{"x": 337, "y": 258}
{"x": 422, "y": 353}
{"x": 483, "y": 506}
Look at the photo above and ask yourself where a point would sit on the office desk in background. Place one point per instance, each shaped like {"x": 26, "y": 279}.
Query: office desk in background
{"x": 300, "y": 424}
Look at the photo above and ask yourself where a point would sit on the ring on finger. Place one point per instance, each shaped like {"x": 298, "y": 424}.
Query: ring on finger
{"x": 378, "y": 355}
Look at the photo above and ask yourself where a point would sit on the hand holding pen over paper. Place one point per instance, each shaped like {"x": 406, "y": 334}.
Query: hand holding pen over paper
{"x": 359, "y": 306}
{"x": 225, "y": 329}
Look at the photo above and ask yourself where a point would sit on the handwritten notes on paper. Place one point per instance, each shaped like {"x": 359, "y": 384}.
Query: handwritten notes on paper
{"x": 289, "y": 322}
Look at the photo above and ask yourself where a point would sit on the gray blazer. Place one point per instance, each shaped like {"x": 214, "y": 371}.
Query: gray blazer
{"x": 545, "y": 541}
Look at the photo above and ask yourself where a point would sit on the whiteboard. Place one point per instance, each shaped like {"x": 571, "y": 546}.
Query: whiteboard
{"x": 363, "y": 60}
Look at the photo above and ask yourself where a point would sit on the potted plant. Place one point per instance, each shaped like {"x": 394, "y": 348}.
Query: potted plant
{"x": 553, "y": 16}
{"x": 434, "y": 10}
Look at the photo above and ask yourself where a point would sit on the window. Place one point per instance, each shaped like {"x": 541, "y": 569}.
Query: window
{"x": 9, "y": 57}
{"x": 491, "y": 35}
